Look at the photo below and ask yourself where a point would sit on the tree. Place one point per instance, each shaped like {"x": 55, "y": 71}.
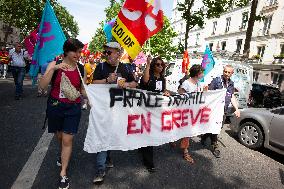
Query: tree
{"x": 24, "y": 15}
{"x": 252, "y": 19}
{"x": 99, "y": 38}
{"x": 211, "y": 9}
{"x": 161, "y": 43}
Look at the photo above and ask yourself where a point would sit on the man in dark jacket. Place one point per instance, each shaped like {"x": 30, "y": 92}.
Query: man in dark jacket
{"x": 218, "y": 83}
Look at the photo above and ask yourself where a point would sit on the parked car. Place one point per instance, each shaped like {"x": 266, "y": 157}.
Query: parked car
{"x": 260, "y": 127}
{"x": 264, "y": 96}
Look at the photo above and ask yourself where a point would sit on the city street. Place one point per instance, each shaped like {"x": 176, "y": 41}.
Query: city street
{"x": 28, "y": 156}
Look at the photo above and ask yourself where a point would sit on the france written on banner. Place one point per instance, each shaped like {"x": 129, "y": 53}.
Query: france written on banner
{"x": 127, "y": 119}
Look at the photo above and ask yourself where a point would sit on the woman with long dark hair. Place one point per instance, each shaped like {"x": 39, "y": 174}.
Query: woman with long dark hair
{"x": 153, "y": 80}
{"x": 64, "y": 106}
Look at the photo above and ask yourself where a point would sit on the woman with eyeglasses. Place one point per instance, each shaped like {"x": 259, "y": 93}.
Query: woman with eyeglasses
{"x": 153, "y": 80}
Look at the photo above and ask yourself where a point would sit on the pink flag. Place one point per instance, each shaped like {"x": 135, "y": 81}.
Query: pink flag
{"x": 140, "y": 58}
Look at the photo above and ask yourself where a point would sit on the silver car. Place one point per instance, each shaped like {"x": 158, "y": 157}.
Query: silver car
{"x": 259, "y": 127}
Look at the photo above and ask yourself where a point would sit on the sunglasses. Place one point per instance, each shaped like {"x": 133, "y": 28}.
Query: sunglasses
{"x": 158, "y": 64}
{"x": 107, "y": 52}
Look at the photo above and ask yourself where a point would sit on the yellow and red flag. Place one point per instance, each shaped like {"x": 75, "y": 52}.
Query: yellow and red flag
{"x": 137, "y": 21}
{"x": 185, "y": 62}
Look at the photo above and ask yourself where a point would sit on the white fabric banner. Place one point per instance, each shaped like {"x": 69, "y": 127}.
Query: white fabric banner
{"x": 127, "y": 119}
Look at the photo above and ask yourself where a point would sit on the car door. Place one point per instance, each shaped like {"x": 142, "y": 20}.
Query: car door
{"x": 277, "y": 128}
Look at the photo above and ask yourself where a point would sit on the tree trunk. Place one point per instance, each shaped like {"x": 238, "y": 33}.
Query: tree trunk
{"x": 250, "y": 28}
{"x": 7, "y": 32}
{"x": 186, "y": 36}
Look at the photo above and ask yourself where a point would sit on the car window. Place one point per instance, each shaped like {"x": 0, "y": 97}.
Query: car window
{"x": 279, "y": 111}
{"x": 282, "y": 111}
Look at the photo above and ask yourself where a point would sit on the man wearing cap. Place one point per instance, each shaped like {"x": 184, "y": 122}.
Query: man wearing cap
{"x": 108, "y": 73}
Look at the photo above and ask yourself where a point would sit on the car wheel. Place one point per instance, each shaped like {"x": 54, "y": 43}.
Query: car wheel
{"x": 250, "y": 135}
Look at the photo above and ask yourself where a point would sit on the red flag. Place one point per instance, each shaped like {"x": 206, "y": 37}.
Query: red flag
{"x": 30, "y": 41}
{"x": 185, "y": 62}
{"x": 137, "y": 21}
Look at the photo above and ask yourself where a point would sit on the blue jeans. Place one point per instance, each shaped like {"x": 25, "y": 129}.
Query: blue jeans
{"x": 18, "y": 75}
{"x": 101, "y": 161}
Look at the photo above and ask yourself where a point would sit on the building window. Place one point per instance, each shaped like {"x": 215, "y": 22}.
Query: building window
{"x": 244, "y": 20}
{"x": 260, "y": 51}
{"x": 267, "y": 24}
{"x": 214, "y": 27}
{"x": 197, "y": 38}
{"x": 239, "y": 45}
{"x": 272, "y": 2}
{"x": 228, "y": 23}
{"x": 210, "y": 46}
{"x": 282, "y": 49}
{"x": 223, "y": 44}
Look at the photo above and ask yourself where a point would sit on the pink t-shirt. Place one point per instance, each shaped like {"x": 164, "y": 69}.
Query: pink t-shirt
{"x": 74, "y": 77}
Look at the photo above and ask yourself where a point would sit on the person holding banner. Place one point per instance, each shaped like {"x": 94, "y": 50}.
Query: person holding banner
{"x": 218, "y": 83}
{"x": 153, "y": 80}
{"x": 188, "y": 86}
{"x": 89, "y": 69}
{"x": 110, "y": 72}
{"x": 64, "y": 109}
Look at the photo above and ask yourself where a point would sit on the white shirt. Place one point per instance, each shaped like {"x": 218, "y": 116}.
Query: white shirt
{"x": 189, "y": 87}
{"x": 18, "y": 58}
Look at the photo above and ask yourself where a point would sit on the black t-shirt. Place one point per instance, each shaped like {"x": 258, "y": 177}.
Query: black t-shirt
{"x": 103, "y": 70}
{"x": 154, "y": 84}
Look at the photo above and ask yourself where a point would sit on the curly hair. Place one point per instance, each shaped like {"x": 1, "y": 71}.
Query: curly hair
{"x": 152, "y": 66}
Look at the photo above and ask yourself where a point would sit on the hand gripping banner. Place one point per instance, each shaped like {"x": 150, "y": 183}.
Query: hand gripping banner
{"x": 127, "y": 119}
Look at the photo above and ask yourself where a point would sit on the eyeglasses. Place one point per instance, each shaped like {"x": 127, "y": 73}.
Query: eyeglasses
{"x": 227, "y": 72}
{"x": 158, "y": 64}
{"x": 107, "y": 52}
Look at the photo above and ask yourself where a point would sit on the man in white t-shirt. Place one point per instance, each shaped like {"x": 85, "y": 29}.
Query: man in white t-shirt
{"x": 189, "y": 85}
{"x": 18, "y": 56}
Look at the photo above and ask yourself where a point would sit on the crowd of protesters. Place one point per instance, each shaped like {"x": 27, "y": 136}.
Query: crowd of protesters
{"x": 67, "y": 76}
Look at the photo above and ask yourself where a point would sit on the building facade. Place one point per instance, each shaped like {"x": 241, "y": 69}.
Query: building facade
{"x": 228, "y": 32}
{"x": 13, "y": 37}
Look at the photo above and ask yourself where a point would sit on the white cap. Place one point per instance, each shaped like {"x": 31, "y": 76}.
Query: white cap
{"x": 114, "y": 45}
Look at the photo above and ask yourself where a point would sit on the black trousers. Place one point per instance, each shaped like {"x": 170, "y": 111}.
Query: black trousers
{"x": 213, "y": 137}
{"x": 147, "y": 155}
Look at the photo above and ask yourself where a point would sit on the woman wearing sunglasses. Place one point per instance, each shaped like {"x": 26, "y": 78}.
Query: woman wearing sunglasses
{"x": 153, "y": 80}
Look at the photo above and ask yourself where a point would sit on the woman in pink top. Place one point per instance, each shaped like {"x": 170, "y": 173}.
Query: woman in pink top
{"x": 64, "y": 114}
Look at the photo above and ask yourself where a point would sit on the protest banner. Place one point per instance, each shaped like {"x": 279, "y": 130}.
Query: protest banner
{"x": 127, "y": 119}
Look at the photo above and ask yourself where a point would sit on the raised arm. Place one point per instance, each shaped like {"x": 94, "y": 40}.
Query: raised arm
{"x": 146, "y": 74}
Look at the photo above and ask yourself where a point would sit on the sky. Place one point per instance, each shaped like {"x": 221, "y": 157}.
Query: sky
{"x": 89, "y": 13}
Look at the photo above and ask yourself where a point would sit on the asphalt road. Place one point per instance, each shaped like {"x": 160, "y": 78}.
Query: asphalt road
{"x": 21, "y": 130}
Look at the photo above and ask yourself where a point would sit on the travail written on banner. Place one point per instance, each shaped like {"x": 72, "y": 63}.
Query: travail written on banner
{"x": 127, "y": 119}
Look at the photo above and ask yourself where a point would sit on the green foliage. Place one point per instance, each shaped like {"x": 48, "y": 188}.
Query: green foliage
{"x": 161, "y": 43}
{"x": 99, "y": 39}
{"x": 211, "y": 9}
{"x": 26, "y": 15}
